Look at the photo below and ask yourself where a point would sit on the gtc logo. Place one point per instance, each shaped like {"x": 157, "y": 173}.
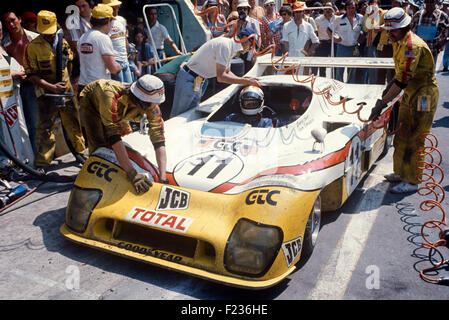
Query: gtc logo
{"x": 291, "y": 250}
{"x": 101, "y": 170}
{"x": 173, "y": 199}
{"x": 262, "y": 196}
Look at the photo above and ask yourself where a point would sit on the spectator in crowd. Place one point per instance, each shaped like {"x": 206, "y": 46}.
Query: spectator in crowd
{"x": 145, "y": 56}
{"x": 347, "y": 30}
{"x": 256, "y": 12}
{"x": 211, "y": 22}
{"x": 106, "y": 109}
{"x": 431, "y": 25}
{"x": 85, "y": 12}
{"x": 372, "y": 29}
{"x": 446, "y": 48}
{"x": 97, "y": 59}
{"x": 132, "y": 60}
{"x": 245, "y": 21}
{"x": 297, "y": 32}
{"x": 385, "y": 48}
{"x": 40, "y": 66}
{"x": 118, "y": 35}
{"x": 160, "y": 35}
{"x": 400, "y": 3}
{"x": 270, "y": 28}
{"x": 15, "y": 45}
{"x": 286, "y": 14}
{"x": 413, "y": 6}
{"x": 29, "y": 21}
{"x": 233, "y": 5}
{"x": 73, "y": 36}
{"x": 212, "y": 59}
{"x": 324, "y": 48}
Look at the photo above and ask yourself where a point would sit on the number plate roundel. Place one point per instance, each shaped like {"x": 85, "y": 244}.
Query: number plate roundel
{"x": 208, "y": 170}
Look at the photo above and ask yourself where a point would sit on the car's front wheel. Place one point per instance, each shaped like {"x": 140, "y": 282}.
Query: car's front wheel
{"x": 312, "y": 229}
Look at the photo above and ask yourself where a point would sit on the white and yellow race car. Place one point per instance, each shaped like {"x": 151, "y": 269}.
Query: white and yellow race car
{"x": 244, "y": 203}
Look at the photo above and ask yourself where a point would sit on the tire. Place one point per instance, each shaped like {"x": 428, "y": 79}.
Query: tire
{"x": 312, "y": 229}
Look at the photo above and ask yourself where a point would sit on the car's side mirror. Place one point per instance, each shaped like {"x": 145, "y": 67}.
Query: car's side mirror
{"x": 318, "y": 134}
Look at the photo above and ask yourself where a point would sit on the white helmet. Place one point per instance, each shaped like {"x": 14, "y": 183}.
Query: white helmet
{"x": 251, "y": 100}
{"x": 149, "y": 88}
{"x": 396, "y": 18}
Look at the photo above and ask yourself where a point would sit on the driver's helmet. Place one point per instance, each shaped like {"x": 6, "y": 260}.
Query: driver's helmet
{"x": 251, "y": 100}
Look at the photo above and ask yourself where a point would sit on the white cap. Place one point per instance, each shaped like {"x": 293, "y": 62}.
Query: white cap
{"x": 268, "y": 2}
{"x": 396, "y": 18}
{"x": 243, "y": 3}
{"x": 149, "y": 88}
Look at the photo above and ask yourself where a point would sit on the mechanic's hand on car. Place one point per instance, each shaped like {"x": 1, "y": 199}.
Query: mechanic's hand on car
{"x": 377, "y": 110}
{"x": 140, "y": 181}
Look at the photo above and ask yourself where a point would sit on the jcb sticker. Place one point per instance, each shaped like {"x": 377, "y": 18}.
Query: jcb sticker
{"x": 173, "y": 199}
{"x": 291, "y": 250}
{"x": 101, "y": 170}
{"x": 160, "y": 220}
{"x": 262, "y": 196}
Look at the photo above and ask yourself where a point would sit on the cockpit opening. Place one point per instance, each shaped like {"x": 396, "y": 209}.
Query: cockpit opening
{"x": 282, "y": 104}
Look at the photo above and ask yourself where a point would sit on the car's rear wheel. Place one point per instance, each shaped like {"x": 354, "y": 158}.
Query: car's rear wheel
{"x": 312, "y": 229}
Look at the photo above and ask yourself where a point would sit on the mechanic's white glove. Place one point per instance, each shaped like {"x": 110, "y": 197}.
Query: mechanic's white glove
{"x": 140, "y": 181}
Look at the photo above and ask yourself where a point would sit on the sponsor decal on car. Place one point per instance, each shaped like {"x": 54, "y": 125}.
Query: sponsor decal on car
{"x": 149, "y": 252}
{"x": 291, "y": 250}
{"x": 161, "y": 220}
{"x": 101, "y": 170}
{"x": 173, "y": 199}
{"x": 262, "y": 196}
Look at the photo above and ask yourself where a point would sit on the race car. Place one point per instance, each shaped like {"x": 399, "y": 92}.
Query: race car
{"x": 243, "y": 204}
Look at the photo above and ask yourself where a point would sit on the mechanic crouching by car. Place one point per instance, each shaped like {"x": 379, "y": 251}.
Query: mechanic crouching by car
{"x": 107, "y": 106}
{"x": 414, "y": 67}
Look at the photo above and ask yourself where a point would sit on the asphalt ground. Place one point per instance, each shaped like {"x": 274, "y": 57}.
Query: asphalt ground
{"x": 371, "y": 249}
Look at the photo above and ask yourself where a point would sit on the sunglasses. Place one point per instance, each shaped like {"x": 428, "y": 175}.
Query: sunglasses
{"x": 269, "y": 5}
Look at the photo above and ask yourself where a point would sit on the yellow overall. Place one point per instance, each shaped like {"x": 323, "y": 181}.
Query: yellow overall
{"x": 105, "y": 113}
{"x": 414, "y": 66}
{"x": 40, "y": 59}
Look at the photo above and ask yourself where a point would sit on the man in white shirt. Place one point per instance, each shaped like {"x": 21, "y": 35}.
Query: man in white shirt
{"x": 297, "y": 32}
{"x": 347, "y": 30}
{"x": 245, "y": 21}
{"x": 97, "y": 60}
{"x": 323, "y": 22}
{"x": 118, "y": 35}
{"x": 160, "y": 34}
{"x": 212, "y": 59}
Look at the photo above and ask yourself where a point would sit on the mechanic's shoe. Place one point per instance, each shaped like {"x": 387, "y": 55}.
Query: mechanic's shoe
{"x": 393, "y": 177}
{"x": 444, "y": 69}
{"x": 404, "y": 187}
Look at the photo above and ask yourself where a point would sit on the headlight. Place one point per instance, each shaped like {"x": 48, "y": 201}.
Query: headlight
{"x": 79, "y": 209}
{"x": 252, "y": 248}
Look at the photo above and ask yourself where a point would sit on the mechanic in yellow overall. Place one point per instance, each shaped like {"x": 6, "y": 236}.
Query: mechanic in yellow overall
{"x": 107, "y": 106}
{"x": 40, "y": 66}
{"x": 414, "y": 67}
